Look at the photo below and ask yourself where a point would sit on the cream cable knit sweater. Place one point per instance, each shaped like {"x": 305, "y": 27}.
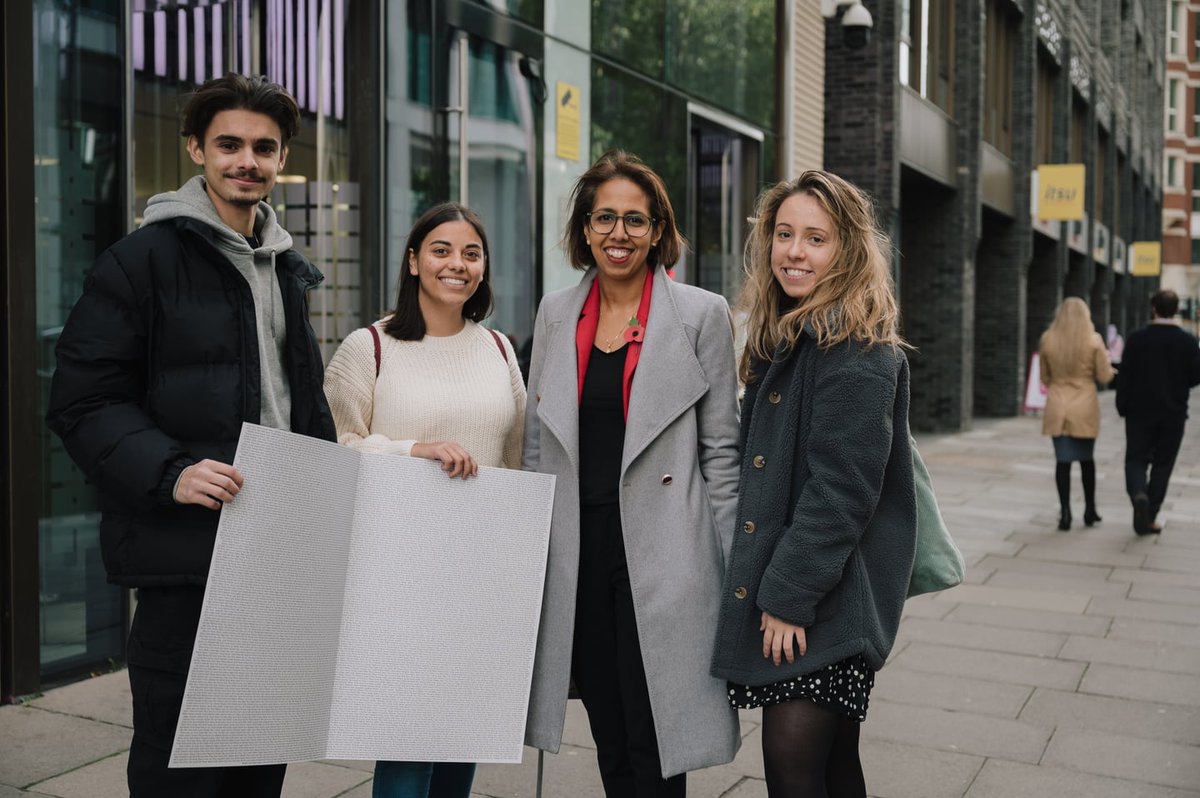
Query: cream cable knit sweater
{"x": 456, "y": 388}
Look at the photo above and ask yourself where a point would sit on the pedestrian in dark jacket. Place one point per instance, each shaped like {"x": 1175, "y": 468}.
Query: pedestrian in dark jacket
{"x": 1159, "y": 367}
{"x": 826, "y": 519}
{"x": 188, "y": 327}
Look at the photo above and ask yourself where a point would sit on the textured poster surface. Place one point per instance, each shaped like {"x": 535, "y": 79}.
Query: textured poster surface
{"x": 366, "y": 606}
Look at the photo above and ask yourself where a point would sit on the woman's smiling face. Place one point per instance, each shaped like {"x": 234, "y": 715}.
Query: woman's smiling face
{"x": 803, "y": 246}
{"x": 618, "y": 254}
{"x": 450, "y": 264}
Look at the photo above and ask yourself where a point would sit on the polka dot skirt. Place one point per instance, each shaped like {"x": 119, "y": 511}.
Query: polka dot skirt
{"x": 844, "y": 687}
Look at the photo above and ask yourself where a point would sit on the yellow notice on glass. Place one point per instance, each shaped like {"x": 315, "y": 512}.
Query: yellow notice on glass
{"x": 1146, "y": 258}
{"x": 566, "y": 125}
{"x": 1060, "y": 191}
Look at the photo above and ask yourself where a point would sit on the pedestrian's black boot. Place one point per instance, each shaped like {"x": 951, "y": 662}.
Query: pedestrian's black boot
{"x": 1090, "y": 516}
{"x": 1141, "y": 515}
{"x": 1062, "y": 481}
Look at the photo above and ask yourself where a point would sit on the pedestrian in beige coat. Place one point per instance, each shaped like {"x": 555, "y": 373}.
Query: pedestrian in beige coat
{"x": 1073, "y": 359}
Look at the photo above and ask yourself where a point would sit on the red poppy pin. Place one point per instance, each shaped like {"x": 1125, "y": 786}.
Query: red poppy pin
{"x": 634, "y": 332}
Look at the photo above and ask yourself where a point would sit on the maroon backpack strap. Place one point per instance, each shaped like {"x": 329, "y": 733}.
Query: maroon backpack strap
{"x": 496, "y": 337}
{"x": 378, "y": 354}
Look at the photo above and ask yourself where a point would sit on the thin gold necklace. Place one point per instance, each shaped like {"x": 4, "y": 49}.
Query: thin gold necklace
{"x": 632, "y": 321}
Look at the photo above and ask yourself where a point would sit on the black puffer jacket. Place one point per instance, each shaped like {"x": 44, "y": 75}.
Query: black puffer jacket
{"x": 158, "y": 367}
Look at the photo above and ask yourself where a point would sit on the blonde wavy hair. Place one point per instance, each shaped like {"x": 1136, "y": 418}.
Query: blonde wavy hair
{"x": 854, "y": 300}
{"x": 1070, "y": 334}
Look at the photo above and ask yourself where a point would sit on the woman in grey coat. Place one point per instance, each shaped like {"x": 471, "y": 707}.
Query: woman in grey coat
{"x": 633, "y": 406}
{"x": 826, "y": 518}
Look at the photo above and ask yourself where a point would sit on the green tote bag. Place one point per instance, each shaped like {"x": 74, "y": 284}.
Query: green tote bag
{"x": 938, "y": 564}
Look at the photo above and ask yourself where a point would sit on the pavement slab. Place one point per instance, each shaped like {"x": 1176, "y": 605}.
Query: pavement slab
{"x": 1000, "y": 779}
{"x": 103, "y": 779}
{"x": 38, "y": 744}
{"x": 104, "y": 698}
{"x": 1154, "y": 632}
{"x": 1060, "y": 709}
{"x": 320, "y": 779}
{"x": 1165, "y": 593}
{"x": 1133, "y": 653}
{"x": 1076, "y": 587}
{"x": 1142, "y": 685}
{"x": 1124, "y": 757}
{"x": 955, "y": 732}
{"x": 1144, "y": 610}
{"x": 957, "y": 693}
{"x": 896, "y": 770}
{"x": 992, "y": 666}
{"x": 966, "y": 635}
{"x": 1030, "y": 619}
{"x": 1051, "y": 601}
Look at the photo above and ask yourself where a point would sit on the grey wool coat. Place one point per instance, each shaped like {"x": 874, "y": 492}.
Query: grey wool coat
{"x": 678, "y": 495}
{"x": 826, "y": 520}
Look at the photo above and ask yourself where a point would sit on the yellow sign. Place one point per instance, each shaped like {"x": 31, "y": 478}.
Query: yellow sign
{"x": 1146, "y": 258}
{"x": 1060, "y": 191}
{"x": 566, "y": 116}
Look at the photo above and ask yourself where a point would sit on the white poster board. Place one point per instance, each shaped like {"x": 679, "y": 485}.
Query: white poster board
{"x": 366, "y": 606}
{"x": 1035, "y": 391}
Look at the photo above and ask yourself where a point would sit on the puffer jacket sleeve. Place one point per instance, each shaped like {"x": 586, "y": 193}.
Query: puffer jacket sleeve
{"x": 847, "y": 452}
{"x": 99, "y": 382}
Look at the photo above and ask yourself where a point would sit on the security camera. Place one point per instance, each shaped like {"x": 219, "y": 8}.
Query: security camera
{"x": 856, "y": 26}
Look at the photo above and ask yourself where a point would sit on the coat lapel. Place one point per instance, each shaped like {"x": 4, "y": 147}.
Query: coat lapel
{"x": 558, "y": 391}
{"x": 669, "y": 378}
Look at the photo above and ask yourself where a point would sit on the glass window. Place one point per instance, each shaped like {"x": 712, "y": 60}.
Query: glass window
{"x": 929, "y": 28}
{"x": 1173, "y": 171}
{"x": 78, "y": 164}
{"x": 631, "y": 32}
{"x": 1044, "y": 141}
{"x": 1174, "y": 27}
{"x": 1173, "y": 105}
{"x": 997, "y": 108}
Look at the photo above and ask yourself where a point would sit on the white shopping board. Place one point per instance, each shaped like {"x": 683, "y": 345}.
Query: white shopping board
{"x": 366, "y": 606}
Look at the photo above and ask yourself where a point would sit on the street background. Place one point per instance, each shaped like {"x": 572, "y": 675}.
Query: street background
{"x": 1067, "y": 665}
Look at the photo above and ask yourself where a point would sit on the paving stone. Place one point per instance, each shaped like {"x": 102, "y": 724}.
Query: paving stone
{"x": 1019, "y": 599}
{"x": 1178, "y": 561}
{"x": 894, "y": 770}
{"x": 1154, "y": 631}
{"x": 993, "y": 666}
{"x": 925, "y": 607}
{"x": 319, "y": 780}
{"x": 748, "y": 788}
{"x": 1029, "y": 619}
{"x": 39, "y": 744}
{"x": 1069, "y": 551}
{"x": 103, "y": 779}
{"x": 1142, "y": 685}
{"x": 104, "y": 698}
{"x": 364, "y": 791}
{"x": 990, "y": 638}
{"x": 959, "y": 693}
{"x": 1077, "y": 587}
{"x": 1133, "y": 653}
{"x": 749, "y": 759}
{"x": 365, "y": 765}
{"x": 572, "y": 771}
{"x": 1166, "y": 578}
{"x": 1144, "y": 610}
{"x": 956, "y": 732}
{"x": 576, "y": 730}
{"x": 1124, "y": 757}
{"x": 1000, "y": 779}
{"x": 1166, "y": 593}
{"x": 1169, "y": 722}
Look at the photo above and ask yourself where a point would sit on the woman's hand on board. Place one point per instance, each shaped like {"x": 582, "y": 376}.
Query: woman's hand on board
{"x": 781, "y": 639}
{"x": 455, "y": 460}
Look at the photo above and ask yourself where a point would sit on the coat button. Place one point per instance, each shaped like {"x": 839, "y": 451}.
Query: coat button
{"x": 773, "y": 397}
{"x": 748, "y": 527}
{"x": 667, "y": 479}
{"x": 740, "y": 592}
{"x": 759, "y": 461}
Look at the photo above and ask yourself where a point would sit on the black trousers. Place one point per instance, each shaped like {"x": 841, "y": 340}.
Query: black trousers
{"x": 1151, "y": 442}
{"x": 607, "y": 665}
{"x": 160, "y": 650}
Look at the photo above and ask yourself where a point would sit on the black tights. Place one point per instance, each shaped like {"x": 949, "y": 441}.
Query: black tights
{"x": 1062, "y": 479}
{"x": 811, "y": 752}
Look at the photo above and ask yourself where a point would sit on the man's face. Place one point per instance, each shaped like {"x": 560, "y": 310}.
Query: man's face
{"x": 242, "y": 153}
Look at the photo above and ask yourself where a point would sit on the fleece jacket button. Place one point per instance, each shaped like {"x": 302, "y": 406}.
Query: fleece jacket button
{"x": 773, "y": 397}
{"x": 740, "y": 592}
{"x": 748, "y": 527}
{"x": 760, "y": 461}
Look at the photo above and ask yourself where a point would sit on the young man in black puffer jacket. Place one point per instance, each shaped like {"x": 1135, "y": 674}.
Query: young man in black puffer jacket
{"x": 191, "y": 325}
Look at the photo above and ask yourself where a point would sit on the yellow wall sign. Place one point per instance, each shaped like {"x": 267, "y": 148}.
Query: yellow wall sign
{"x": 1060, "y": 191}
{"x": 566, "y": 126}
{"x": 1146, "y": 258}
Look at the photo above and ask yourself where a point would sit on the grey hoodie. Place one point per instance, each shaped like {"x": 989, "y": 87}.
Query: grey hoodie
{"x": 257, "y": 266}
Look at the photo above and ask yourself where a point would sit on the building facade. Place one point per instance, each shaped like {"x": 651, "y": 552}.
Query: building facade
{"x": 1181, "y": 167}
{"x": 500, "y": 104}
{"x": 945, "y": 116}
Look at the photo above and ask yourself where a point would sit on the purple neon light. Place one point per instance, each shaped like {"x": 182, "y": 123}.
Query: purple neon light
{"x": 339, "y": 57}
{"x": 218, "y": 39}
{"x": 139, "y": 41}
{"x": 289, "y": 45}
{"x": 182, "y": 44}
{"x": 198, "y": 35}
{"x": 160, "y": 43}
{"x": 245, "y": 4}
{"x": 314, "y": 26}
{"x": 301, "y": 54}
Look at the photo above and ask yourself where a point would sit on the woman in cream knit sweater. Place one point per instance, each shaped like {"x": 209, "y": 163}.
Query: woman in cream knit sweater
{"x": 429, "y": 381}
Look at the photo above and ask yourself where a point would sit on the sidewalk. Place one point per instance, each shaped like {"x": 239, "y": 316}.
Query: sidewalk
{"x": 1068, "y": 665}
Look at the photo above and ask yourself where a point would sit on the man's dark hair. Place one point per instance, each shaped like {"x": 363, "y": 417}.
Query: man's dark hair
{"x": 407, "y": 322}
{"x": 1165, "y": 303}
{"x": 236, "y": 92}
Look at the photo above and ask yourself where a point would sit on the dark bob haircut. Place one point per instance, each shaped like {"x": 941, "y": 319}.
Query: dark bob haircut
{"x": 610, "y": 166}
{"x": 236, "y": 92}
{"x": 407, "y": 322}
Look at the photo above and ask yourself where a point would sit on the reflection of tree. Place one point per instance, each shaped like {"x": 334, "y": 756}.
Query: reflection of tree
{"x": 721, "y": 51}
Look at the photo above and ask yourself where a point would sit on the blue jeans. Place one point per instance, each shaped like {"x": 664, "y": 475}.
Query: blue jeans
{"x": 423, "y": 779}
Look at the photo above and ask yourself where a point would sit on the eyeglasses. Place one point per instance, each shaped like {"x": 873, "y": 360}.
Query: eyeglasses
{"x": 604, "y": 222}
